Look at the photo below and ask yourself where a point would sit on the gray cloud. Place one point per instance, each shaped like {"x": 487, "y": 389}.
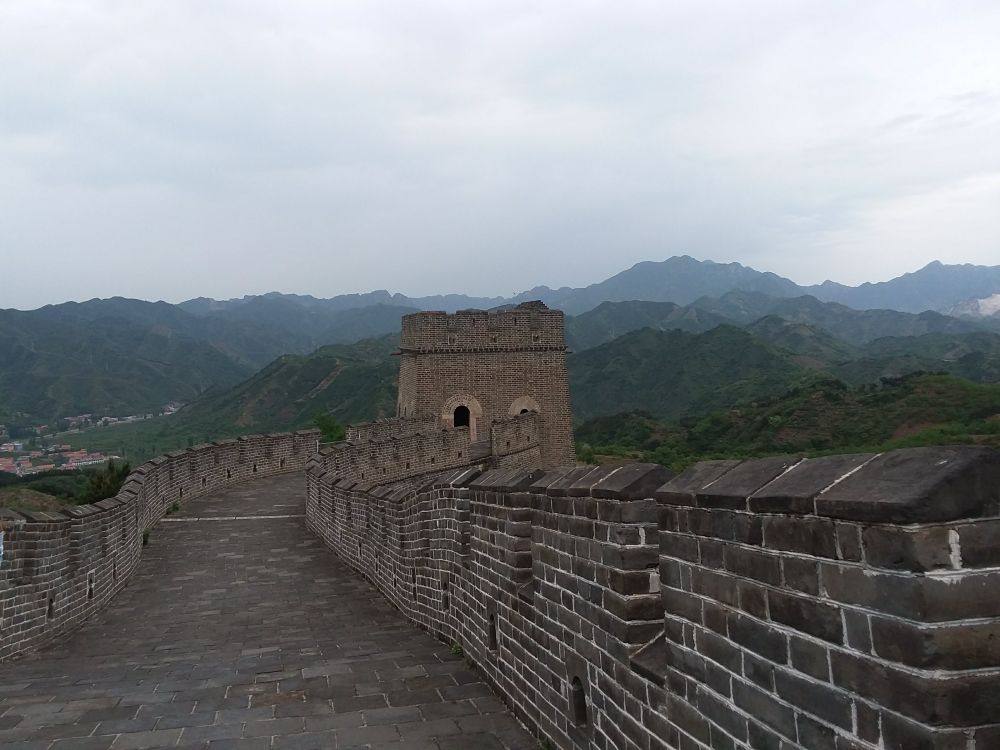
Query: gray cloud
{"x": 168, "y": 149}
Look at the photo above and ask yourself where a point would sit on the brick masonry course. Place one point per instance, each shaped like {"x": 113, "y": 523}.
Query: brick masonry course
{"x": 847, "y": 602}
{"x": 60, "y": 568}
{"x": 247, "y": 633}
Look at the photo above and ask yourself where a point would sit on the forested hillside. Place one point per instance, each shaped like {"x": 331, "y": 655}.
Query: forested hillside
{"x": 673, "y": 373}
{"x": 355, "y": 383}
{"x": 49, "y": 369}
{"x": 824, "y": 417}
{"x": 95, "y": 356}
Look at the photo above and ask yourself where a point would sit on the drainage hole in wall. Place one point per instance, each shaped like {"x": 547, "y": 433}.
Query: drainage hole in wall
{"x": 578, "y": 702}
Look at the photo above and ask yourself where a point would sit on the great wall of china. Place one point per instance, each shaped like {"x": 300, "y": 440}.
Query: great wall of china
{"x": 836, "y": 603}
{"x": 60, "y": 568}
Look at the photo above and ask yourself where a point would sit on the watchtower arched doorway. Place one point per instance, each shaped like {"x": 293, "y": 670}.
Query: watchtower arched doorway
{"x": 462, "y": 411}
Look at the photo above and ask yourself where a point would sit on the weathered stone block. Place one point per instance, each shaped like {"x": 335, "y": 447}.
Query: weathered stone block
{"x": 810, "y": 616}
{"x": 919, "y": 485}
{"x": 794, "y": 490}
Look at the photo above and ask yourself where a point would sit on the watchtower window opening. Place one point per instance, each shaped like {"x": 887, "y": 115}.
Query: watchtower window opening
{"x": 462, "y": 416}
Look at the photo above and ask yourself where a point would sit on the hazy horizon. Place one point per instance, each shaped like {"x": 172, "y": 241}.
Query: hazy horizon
{"x": 513, "y": 293}
{"x": 171, "y": 150}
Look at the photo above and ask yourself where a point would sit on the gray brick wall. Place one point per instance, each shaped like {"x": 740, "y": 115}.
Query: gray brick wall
{"x": 60, "y": 568}
{"x": 847, "y": 603}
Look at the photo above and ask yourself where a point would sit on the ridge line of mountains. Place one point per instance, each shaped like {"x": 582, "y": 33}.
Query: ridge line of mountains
{"x": 257, "y": 363}
{"x": 951, "y": 289}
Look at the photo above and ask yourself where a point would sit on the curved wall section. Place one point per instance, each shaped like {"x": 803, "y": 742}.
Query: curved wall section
{"x": 834, "y": 603}
{"x": 57, "y": 569}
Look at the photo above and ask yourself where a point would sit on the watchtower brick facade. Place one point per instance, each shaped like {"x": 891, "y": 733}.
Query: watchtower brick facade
{"x": 473, "y": 367}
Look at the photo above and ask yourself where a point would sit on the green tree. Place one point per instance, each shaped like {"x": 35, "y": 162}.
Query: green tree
{"x": 105, "y": 482}
{"x": 332, "y": 430}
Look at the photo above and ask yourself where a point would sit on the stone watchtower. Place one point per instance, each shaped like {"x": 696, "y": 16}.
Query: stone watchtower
{"x": 474, "y": 367}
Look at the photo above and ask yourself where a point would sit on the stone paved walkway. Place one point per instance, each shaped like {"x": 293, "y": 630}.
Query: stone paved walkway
{"x": 248, "y": 634}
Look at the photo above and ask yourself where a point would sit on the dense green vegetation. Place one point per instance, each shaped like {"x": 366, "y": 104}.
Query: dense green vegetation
{"x": 331, "y": 430}
{"x": 56, "y": 489}
{"x": 823, "y": 417}
{"x": 671, "y": 374}
{"x": 975, "y": 356}
{"x": 118, "y": 357}
{"x": 353, "y": 383}
{"x": 54, "y": 368}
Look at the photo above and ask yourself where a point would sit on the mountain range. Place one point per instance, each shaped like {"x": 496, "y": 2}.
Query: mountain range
{"x": 682, "y": 280}
{"x": 119, "y": 356}
{"x": 670, "y": 374}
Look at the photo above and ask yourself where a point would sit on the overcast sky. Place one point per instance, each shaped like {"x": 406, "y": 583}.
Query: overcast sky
{"x": 171, "y": 149}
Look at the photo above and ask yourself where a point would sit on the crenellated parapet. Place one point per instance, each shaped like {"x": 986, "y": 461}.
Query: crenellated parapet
{"x": 844, "y": 602}
{"x": 57, "y": 569}
{"x": 397, "y": 449}
{"x": 528, "y": 326}
{"x": 383, "y": 429}
{"x": 847, "y": 601}
{"x": 516, "y": 440}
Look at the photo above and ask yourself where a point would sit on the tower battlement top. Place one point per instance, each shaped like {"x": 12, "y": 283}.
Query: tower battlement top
{"x": 530, "y": 325}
